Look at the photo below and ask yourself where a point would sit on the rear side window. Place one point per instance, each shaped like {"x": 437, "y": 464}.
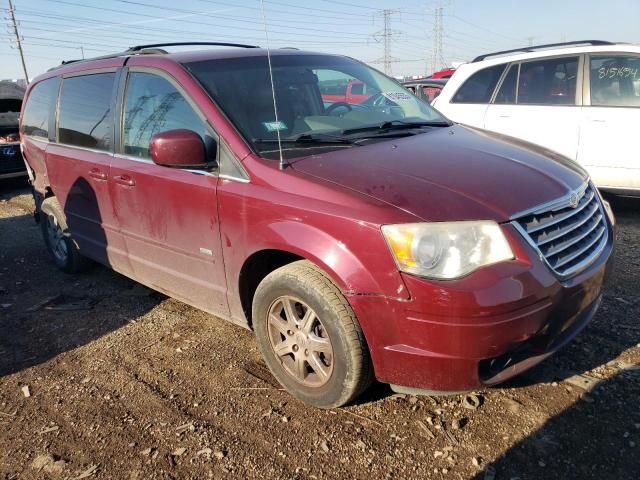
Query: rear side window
{"x": 86, "y": 111}
{"x": 548, "y": 82}
{"x": 41, "y": 101}
{"x": 479, "y": 87}
{"x": 507, "y": 93}
{"x": 615, "y": 81}
{"x": 153, "y": 105}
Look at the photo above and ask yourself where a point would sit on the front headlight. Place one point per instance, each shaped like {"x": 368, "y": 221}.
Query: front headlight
{"x": 446, "y": 250}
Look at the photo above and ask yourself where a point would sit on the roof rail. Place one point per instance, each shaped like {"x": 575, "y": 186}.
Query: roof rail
{"x": 153, "y": 49}
{"x": 179, "y": 44}
{"x": 540, "y": 47}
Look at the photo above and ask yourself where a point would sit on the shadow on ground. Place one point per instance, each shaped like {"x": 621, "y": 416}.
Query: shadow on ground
{"x": 44, "y": 312}
{"x": 561, "y": 449}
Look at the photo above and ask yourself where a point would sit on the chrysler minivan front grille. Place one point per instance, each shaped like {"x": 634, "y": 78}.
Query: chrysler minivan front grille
{"x": 569, "y": 233}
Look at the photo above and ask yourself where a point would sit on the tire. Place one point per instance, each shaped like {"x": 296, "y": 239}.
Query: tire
{"x": 62, "y": 248}
{"x": 322, "y": 358}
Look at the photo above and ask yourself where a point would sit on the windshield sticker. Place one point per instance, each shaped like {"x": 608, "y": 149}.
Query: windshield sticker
{"x": 398, "y": 96}
{"x": 274, "y": 126}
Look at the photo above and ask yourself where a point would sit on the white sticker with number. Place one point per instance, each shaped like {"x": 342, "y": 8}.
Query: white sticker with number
{"x": 398, "y": 96}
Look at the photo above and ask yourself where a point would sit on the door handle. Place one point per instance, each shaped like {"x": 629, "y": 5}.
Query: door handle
{"x": 125, "y": 180}
{"x": 97, "y": 174}
{"x": 504, "y": 116}
{"x": 598, "y": 120}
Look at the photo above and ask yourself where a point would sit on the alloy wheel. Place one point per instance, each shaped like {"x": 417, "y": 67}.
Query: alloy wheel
{"x": 56, "y": 239}
{"x": 300, "y": 341}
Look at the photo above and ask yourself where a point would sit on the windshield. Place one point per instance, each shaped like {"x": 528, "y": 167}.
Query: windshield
{"x": 324, "y": 102}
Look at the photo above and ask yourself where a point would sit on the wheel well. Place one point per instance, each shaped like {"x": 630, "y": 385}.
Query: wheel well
{"x": 255, "y": 268}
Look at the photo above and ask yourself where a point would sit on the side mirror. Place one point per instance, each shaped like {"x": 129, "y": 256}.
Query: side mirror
{"x": 178, "y": 148}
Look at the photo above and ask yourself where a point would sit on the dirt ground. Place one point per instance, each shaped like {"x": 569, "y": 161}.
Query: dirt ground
{"x": 102, "y": 378}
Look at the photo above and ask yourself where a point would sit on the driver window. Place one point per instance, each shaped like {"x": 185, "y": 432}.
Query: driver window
{"x": 153, "y": 105}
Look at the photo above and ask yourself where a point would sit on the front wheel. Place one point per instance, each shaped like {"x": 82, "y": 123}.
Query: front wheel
{"x": 309, "y": 336}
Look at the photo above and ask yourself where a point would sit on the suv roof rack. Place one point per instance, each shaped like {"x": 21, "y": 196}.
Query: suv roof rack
{"x": 540, "y": 47}
{"x": 152, "y": 48}
{"x": 179, "y": 44}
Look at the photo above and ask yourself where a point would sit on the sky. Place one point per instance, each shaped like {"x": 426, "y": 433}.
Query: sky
{"x": 55, "y": 30}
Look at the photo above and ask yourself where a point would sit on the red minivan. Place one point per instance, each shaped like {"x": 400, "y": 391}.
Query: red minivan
{"x": 356, "y": 241}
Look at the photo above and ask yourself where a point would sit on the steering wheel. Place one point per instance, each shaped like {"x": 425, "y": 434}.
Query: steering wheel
{"x": 378, "y": 100}
{"x": 330, "y": 109}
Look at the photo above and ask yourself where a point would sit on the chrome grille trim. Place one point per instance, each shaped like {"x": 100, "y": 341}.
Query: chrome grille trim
{"x": 561, "y": 232}
{"x": 561, "y": 218}
{"x": 568, "y": 233}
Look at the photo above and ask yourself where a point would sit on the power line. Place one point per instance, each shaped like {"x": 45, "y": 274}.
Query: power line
{"x": 192, "y": 13}
{"x": 480, "y": 27}
{"x": 236, "y": 18}
{"x": 18, "y": 39}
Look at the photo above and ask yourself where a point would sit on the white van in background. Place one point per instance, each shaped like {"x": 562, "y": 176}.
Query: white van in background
{"x": 581, "y": 99}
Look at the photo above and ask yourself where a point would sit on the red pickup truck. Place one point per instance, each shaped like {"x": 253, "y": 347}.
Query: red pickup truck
{"x": 354, "y": 91}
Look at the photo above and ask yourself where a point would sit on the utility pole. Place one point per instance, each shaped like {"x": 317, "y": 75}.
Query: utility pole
{"x": 530, "y": 41}
{"x": 18, "y": 40}
{"x": 437, "y": 60}
{"x": 386, "y": 34}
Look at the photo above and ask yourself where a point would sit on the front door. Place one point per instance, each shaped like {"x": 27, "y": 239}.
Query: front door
{"x": 168, "y": 216}
{"x": 610, "y": 120}
{"x": 470, "y": 102}
{"x": 537, "y": 103}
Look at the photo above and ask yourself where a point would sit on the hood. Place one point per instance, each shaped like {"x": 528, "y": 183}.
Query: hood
{"x": 447, "y": 174}
{"x": 10, "y": 90}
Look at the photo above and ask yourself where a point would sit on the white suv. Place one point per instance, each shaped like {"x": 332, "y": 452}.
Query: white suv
{"x": 581, "y": 99}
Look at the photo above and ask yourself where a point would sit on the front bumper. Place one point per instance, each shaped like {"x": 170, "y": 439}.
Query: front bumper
{"x": 482, "y": 329}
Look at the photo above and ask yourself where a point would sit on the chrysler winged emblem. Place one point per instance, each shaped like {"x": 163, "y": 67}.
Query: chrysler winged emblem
{"x": 573, "y": 201}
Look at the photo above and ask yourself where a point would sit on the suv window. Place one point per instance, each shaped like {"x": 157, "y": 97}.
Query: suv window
{"x": 35, "y": 119}
{"x": 548, "y": 82}
{"x": 86, "y": 111}
{"x": 479, "y": 87}
{"x": 615, "y": 81}
{"x": 430, "y": 93}
{"x": 153, "y": 105}
{"x": 507, "y": 92}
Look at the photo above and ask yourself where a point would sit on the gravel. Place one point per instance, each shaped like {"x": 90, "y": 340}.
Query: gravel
{"x": 141, "y": 386}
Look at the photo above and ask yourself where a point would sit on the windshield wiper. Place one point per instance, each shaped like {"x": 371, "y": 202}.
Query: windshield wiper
{"x": 308, "y": 138}
{"x": 395, "y": 125}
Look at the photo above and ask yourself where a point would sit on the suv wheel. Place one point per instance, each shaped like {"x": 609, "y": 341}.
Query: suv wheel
{"x": 56, "y": 235}
{"x": 309, "y": 336}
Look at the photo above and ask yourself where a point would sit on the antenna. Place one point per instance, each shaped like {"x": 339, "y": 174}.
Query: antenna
{"x": 283, "y": 164}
